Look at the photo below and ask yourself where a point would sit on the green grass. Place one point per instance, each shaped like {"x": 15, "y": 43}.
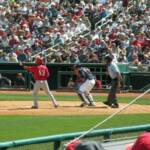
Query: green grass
{"x": 20, "y": 127}
{"x": 23, "y": 97}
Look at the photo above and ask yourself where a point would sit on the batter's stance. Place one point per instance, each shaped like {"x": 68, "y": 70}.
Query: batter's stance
{"x": 41, "y": 74}
{"x": 83, "y": 88}
{"x": 115, "y": 76}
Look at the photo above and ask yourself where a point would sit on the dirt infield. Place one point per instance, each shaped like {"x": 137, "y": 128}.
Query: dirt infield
{"x": 65, "y": 107}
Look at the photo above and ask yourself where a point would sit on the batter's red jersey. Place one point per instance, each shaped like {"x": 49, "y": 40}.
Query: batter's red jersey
{"x": 40, "y": 72}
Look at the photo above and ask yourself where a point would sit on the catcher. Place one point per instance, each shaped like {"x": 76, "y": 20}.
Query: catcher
{"x": 84, "y": 82}
{"x": 41, "y": 73}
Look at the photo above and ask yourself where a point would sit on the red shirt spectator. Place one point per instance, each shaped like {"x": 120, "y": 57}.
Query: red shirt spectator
{"x": 2, "y": 33}
{"x": 27, "y": 35}
{"x": 138, "y": 43}
{"x": 97, "y": 41}
{"x": 27, "y": 50}
{"x": 142, "y": 142}
{"x": 112, "y": 36}
{"x": 125, "y": 3}
{"x": 83, "y": 42}
{"x": 13, "y": 42}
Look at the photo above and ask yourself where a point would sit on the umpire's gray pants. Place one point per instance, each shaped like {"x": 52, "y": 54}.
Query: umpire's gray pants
{"x": 42, "y": 84}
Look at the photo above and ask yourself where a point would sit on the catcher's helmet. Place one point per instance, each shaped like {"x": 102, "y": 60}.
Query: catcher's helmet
{"x": 39, "y": 60}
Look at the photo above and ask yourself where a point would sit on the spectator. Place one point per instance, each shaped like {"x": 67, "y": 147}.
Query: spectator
{"x": 142, "y": 142}
{"x": 59, "y": 39}
{"x": 89, "y": 145}
{"x": 125, "y": 4}
{"x": 86, "y": 145}
{"x": 12, "y": 57}
{"x": 40, "y": 25}
{"x": 25, "y": 22}
{"x": 20, "y": 80}
{"x": 93, "y": 58}
{"x": 74, "y": 58}
{"x": 4, "y": 81}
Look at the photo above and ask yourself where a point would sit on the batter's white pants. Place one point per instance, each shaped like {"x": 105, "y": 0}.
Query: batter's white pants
{"x": 39, "y": 84}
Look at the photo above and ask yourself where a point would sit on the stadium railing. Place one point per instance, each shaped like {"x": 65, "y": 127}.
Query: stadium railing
{"x": 57, "y": 139}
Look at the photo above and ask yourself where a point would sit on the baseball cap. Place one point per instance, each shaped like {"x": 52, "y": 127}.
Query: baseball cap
{"x": 71, "y": 145}
{"x": 142, "y": 143}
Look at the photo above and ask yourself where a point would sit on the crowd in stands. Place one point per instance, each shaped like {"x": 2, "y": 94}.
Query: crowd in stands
{"x": 28, "y": 27}
{"x": 126, "y": 37}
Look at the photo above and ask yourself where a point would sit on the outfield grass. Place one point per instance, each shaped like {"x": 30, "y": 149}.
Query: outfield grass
{"x": 24, "y": 97}
{"x": 20, "y": 127}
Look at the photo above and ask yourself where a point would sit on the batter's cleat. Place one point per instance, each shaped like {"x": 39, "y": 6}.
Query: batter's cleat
{"x": 114, "y": 105}
{"x": 34, "y": 107}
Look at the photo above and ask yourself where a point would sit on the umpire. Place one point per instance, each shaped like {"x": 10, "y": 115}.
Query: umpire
{"x": 114, "y": 73}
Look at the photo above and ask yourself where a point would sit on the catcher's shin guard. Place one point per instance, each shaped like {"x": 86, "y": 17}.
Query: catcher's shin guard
{"x": 83, "y": 98}
{"x": 90, "y": 99}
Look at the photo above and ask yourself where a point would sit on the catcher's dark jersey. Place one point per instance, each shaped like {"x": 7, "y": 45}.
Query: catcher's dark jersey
{"x": 86, "y": 73}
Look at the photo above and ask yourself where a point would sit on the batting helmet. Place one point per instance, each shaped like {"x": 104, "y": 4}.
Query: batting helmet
{"x": 39, "y": 60}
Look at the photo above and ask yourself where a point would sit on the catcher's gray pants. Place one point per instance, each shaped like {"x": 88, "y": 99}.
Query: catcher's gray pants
{"x": 42, "y": 84}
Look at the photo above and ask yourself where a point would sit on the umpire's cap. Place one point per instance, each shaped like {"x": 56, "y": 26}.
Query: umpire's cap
{"x": 109, "y": 57}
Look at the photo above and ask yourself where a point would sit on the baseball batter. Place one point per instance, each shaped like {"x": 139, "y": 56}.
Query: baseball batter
{"x": 41, "y": 74}
{"x": 83, "y": 88}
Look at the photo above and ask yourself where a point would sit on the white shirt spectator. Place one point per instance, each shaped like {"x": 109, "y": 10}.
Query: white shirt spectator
{"x": 2, "y": 1}
{"x": 65, "y": 37}
{"x": 83, "y": 27}
{"x": 23, "y": 10}
{"x": 13, "y": 57}
{"x": 38, "y": 23}
{"x": 5, "y": 42}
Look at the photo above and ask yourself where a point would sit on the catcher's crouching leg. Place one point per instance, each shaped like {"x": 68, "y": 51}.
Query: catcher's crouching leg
{"x": 83, "y": 98}
{"x": 90, "y": 99}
